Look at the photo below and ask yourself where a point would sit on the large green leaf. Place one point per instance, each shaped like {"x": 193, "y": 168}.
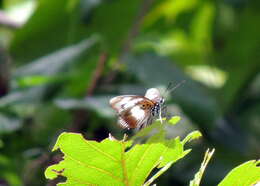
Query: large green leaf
{"x": 111, "y": 162}
{"x": 29, "y": 74}
{"x": 246, "y": 174}
{"x": 57, "y": 60}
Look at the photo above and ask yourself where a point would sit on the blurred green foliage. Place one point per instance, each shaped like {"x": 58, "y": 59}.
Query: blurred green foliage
{"x": 59, "y": 67}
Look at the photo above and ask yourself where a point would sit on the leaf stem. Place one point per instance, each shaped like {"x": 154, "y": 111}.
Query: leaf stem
{"x": 198, "y": 176}
{"x": 159, "y": 173}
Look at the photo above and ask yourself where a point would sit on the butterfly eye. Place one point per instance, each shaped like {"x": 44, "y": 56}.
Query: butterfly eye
{"x": 161, "y": 101}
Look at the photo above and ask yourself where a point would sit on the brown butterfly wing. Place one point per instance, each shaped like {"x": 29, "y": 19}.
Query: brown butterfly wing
{"x": 133, "y": 111}
{"x": 129, "y": 120}
{"x": 122, "y": 103}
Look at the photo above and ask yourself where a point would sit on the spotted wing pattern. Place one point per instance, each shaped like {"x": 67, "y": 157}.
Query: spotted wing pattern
{"x": 133, "y": 111}
{"x": 121, "y": 103}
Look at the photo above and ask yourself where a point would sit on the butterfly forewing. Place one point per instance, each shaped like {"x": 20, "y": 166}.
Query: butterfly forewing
{"x": 135, "y": 111}
{"x": 132, "y": 118}
{"x": 121, "y": 103}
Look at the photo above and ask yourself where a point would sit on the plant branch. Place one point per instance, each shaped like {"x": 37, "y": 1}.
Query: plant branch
{"x": 198, "y": 176}
{"x": 159, "y": 173}
{"x": 134, "y": 31}
{"x": 97, "y": 74}
{"x": 5, "y": 61}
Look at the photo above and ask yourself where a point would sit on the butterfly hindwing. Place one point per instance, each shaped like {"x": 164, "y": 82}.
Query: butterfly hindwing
{"x": 136, "y": 111}
{"x": 133, "y": 111}
{"x": 135, "y": 117}
{"x": 122, "y": 103}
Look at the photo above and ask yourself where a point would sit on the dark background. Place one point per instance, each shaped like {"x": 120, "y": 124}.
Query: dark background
{"x": 60, "y": 65}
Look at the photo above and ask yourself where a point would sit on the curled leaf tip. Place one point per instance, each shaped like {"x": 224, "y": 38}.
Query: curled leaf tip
{"x": 191, "y": 136}
{"x": 174, "y": 120}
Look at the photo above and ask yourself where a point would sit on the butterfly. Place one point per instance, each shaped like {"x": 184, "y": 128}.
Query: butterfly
{"x": 137, "y": 111}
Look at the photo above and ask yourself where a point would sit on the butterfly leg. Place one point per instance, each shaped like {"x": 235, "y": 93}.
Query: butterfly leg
{"x": 162, "y": 113}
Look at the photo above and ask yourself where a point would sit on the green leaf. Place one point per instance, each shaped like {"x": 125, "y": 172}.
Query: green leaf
{"x": 156, "y": 126}
{"x": 9, "y": 124}
{"x": 169, "y": 10}
{"x": 58, "y": 60}
{"x": 1, "y": 144}
{"x": 191, "y": 136}
{"x": 246, "y": 174}
{"x": 7, "y": 170}
{"x": 38, "y": 72}
{"x": 174, "y": 120}
{"x": 95, "y": 103}
{"x": 34, "y": 80}
{"x": 147, "y": 130}
{"x": 60, "y": 23}
{"x": 53, "y": 23}
{"x": 198, "y": 176}
{"x": 87, "y": 162}
{"x": 24, "y": 96}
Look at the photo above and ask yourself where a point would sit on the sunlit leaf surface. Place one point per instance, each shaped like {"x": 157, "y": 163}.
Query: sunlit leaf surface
{"x": 174, "y": 120}
{"x": 246, "y": 174}
{"x": 111, "y": 162}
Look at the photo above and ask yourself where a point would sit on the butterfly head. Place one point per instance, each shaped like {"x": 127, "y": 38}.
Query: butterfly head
{"x": 154, "y": 95}
{"x": 137, "y": 111}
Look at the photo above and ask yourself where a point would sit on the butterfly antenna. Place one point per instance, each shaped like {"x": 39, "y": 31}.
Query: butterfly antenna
{"x": 170, "y": 89}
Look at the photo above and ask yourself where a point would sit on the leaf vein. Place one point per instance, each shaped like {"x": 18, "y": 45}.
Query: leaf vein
{"x": 156, "y": 163}
{"x": 96, "y": 168}
{"x": 124, "y": 165}
{"x": 102, "y": 152}
{"x": 140, "y": 160}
